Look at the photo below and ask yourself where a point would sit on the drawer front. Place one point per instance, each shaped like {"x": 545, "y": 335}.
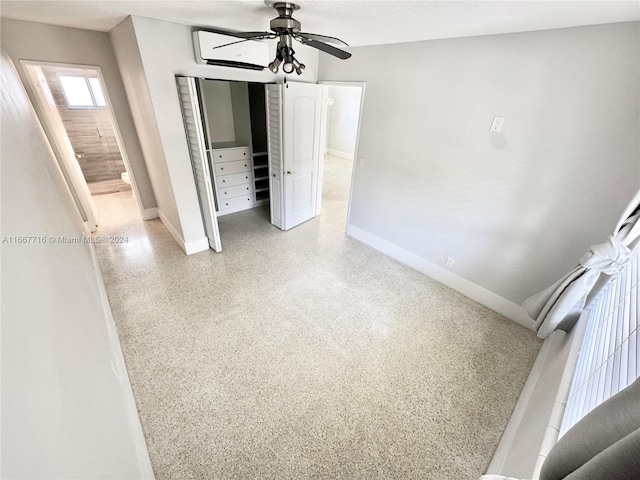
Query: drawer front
{"x": 236, "y": 191}
{"x": 224, "y": 181}
{"x": 231, "y": 154}
{"x": 235, "y": 202}
{"x": 228, "y": 168}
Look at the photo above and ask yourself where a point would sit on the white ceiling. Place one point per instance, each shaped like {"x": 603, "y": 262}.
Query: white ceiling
{"x": 356, "y": 22}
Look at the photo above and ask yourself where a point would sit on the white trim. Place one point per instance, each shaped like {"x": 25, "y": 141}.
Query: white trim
{"x": 142, "y": 453}
{"x": 506, "y": 441}
{"x": 52, "y": 124}
{"x": 187, "y": 247}
{"x": 559, "y": 351}
{"x": 197, "y": 246}
{"x": 480, "y": 294}
{"x": 150, "y": 213}
{"x": 174, "y": 233}
{"x": 338, "y": 153}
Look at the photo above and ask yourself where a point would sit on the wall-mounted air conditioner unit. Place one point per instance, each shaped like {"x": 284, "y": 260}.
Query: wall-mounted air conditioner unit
{"x": 215, "y": 49}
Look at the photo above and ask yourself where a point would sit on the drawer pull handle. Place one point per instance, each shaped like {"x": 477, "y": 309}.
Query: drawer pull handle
{"x": 221, "y": 168}
{"x": 223, "y": 181}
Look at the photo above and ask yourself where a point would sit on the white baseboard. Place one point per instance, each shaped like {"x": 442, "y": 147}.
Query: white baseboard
{"x": 338, "y": 153}
{"x": 196, "y": 246}
{"x": 187, "y": 247}
{"x": 150, "y": 213}
{"x": 142, "y": 453}
{"x": 495, "y": 302}
{"x": 172, "y": 230}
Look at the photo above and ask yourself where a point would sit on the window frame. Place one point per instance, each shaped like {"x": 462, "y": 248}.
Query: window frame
{"x": 86, "y": 78}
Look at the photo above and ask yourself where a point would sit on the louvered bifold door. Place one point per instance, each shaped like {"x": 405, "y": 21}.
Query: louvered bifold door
{"x": 199, "y": 162}
{"x": 274, "y": 141}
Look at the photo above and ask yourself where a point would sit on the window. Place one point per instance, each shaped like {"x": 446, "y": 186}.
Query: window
{"x": 609, "y": 358}
{"x": 82, "y": 92}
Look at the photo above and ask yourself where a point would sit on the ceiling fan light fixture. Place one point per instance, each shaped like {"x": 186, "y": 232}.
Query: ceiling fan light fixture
{"x": 288, "y": 68}
{"x": 273, "y": 66}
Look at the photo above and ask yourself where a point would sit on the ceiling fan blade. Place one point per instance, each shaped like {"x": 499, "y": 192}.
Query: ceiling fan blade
{"x": 336, "y": 52}
{"x": 231, "y": 43}
{"x": 321, "y": 38}
{"x": 245, "y": 35}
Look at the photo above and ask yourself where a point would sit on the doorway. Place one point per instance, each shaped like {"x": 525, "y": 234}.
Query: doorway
{"x": 73, "y": 105}
{"x": 344, "y": 110}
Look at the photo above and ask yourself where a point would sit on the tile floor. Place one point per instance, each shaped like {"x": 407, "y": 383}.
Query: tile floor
{"x": 305, "y": 354}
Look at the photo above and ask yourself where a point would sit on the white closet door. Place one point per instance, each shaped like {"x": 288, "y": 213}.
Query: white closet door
{"x": 201, "y": 172}
{"x": 294, "y": 172}
{"x": 274, "y": 145}
{"x": 301, "y": 121}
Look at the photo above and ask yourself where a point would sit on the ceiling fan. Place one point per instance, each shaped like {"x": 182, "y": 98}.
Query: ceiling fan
{"x": 286, "y": 28}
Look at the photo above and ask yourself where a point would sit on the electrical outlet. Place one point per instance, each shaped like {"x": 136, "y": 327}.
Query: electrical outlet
{"x": 450, "y": 261}
{"x": 496, "y": 125}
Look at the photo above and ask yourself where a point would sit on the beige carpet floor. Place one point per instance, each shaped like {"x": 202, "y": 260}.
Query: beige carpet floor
{"x": 304, "y": 354}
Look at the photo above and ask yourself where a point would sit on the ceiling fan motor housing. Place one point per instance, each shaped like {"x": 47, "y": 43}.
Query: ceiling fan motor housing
{"x": 284, "y": 22}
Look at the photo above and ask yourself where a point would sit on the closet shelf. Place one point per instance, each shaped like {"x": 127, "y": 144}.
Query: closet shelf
{"x": 261, "y": 178}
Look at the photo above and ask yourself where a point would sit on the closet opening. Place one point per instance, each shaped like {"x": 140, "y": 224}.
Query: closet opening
{"x": 235, "y": 135}
{"x": 261, "y": 145}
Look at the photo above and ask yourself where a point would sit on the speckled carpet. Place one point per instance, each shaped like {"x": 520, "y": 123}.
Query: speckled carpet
{"x": 305, "y": 354}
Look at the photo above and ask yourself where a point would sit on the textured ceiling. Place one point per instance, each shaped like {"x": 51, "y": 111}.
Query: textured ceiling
{"x": 357, "y": 22}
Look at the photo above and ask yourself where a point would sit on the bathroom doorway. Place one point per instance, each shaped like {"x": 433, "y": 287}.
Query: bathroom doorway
{"x": 74, "y": 108}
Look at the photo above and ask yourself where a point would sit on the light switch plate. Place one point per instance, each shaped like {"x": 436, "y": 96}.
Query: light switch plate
{"x": 496, "y": 125}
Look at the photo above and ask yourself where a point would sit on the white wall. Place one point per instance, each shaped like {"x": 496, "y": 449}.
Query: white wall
{"x": 217, "y": 101}
{"x": 127, "y": 54}
{"x": 166, "y": 50}
{"x": 342, "y": 120}
{"x": 516, "y": 209}
{"x": 49, "y": 43}
{"x": 67, "y": 406}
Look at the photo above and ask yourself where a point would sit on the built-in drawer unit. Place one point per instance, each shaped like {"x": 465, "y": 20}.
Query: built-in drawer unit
{"x": 236, "y": 204}
{"x": 232, "y": 170}
{"x": 236, "y": 191}
{"x": 231, "y": 154}
{"x": 228, "y": 168}
{"x": 233, "y": 180}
